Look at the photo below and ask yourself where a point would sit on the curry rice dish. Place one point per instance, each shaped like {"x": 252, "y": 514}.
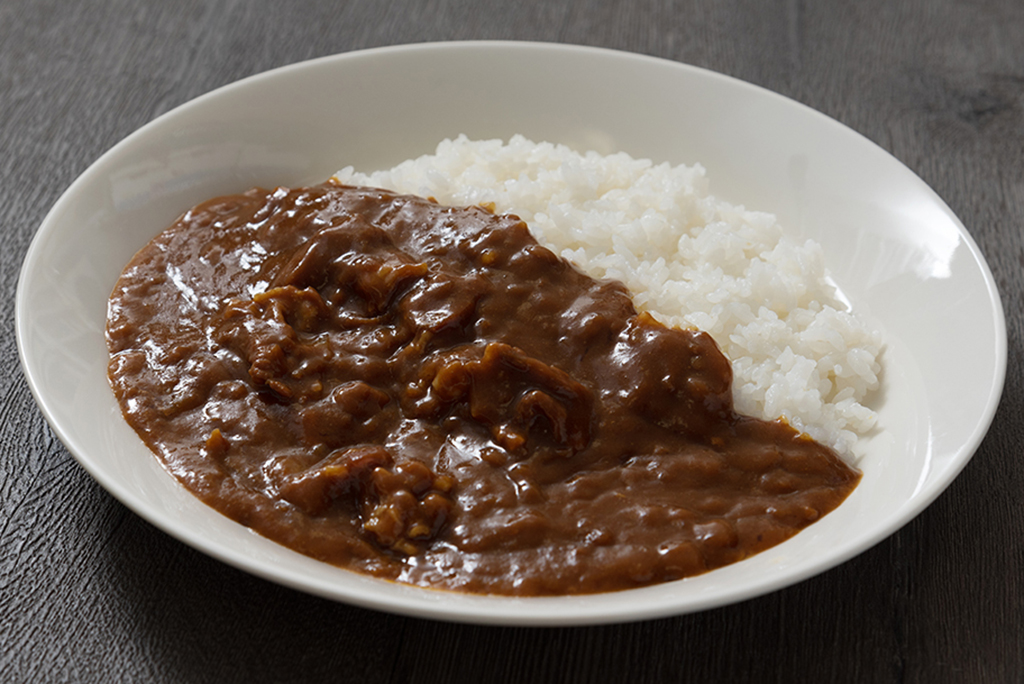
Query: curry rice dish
{"x": 424, "y": 393}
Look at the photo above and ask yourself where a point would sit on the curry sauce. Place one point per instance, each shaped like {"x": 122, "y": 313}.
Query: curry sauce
{"x": 423, "y": 393}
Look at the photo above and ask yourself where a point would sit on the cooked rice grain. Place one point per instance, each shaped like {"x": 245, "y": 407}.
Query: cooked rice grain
{"x": 688, "y": 258}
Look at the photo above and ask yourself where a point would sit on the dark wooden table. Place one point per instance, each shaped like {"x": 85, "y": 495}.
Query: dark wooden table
{"x": 89, "y": 592}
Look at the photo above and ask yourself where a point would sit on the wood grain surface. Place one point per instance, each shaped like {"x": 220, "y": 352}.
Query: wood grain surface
{"x": 91, "y": 593}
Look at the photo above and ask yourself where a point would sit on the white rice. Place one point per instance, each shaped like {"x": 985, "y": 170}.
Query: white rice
{"x": 688, "y": 258}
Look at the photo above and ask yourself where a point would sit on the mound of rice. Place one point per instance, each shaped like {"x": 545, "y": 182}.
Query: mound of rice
{"x": 689, "y": 259}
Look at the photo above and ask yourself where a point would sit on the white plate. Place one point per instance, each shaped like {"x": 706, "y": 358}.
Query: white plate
{"x": 895, "y": 248}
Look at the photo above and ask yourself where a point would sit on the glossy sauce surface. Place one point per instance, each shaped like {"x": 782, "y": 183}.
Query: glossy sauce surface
{"x": 424, "y": 393}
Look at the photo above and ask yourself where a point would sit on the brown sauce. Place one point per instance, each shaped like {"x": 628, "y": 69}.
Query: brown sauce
{"x": 425, "y": 394}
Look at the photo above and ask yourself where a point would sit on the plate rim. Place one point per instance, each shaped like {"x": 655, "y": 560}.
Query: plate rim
{"x": 522, "y": 613}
